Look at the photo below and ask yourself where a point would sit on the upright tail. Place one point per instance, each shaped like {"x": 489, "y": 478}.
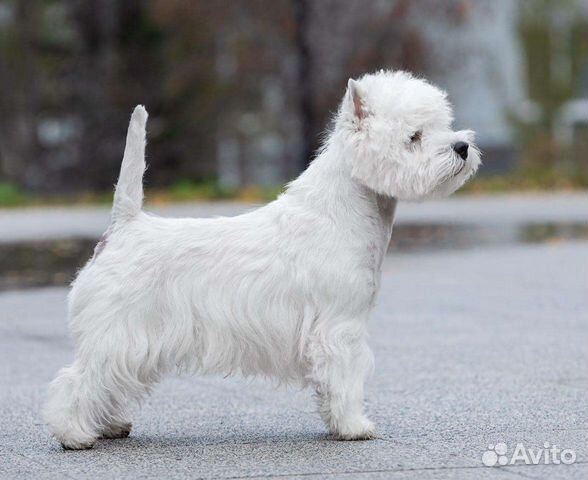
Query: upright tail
{"x": 128, "y": 195}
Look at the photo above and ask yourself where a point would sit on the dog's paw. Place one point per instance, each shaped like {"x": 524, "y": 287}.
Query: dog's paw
{"x": 73, "y": 438}
{"x": 356, "y": 429}
{"x": 117, "y": 431}
{"x": 77, "y": 443}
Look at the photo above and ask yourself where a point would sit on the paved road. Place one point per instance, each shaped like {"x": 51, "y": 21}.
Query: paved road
{"x": 472, "y": 348}
{"x": 25, "y": 224}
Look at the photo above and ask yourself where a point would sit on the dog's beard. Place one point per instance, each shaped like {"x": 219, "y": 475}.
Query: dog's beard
{"x": 463, "y": 165}
{"x": 451, "y": 172}
{"x": 451, "y": 166}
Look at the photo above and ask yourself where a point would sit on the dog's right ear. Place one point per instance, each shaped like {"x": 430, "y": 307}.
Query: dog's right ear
{"x": 356, "y": 100}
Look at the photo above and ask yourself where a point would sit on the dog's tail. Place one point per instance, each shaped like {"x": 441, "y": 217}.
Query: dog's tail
{"x": 128, "y": 195}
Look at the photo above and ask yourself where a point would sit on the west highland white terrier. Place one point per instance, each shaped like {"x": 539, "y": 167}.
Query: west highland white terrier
{"x": 283, "y": 291}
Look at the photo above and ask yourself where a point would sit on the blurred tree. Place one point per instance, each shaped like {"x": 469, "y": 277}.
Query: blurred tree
{"x": 238, "y": 91}
{"x": 18, "y": 84}
{"x": 554, "y": 38}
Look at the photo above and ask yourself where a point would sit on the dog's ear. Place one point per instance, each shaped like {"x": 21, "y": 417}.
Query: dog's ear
{"x": 356, "y": 99}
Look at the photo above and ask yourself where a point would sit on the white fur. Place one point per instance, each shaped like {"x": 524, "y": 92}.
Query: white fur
{"x": 284, "y": 291}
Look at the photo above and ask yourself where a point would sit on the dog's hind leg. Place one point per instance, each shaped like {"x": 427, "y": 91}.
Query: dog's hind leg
{"x": 90, "y": 399}
{"x": 118, "y": 424}
{"x": 70, "y": 413}
{"x": 341, "y": 359}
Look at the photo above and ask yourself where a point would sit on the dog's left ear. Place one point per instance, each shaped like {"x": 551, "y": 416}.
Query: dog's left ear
{"x": 356, "y": 99}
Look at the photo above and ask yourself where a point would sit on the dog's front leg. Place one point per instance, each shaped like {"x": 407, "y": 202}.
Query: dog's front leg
{"x": 341, "y": 360}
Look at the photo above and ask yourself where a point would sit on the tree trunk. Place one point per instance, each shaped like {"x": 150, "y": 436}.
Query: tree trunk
{"x": 18, "y": 129}
{"x": 305, "y": 98}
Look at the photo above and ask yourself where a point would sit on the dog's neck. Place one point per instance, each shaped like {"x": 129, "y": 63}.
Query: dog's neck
{"x": 328, "y": 187}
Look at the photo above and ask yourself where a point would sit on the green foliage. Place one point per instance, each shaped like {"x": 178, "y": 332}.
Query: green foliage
{"x": 554, "y": 57}
{"x": 538, "y": 178}
{"x": 190, "y": 190}
{"x": 535, "y": 178}
{"x": 186, "y": 190}
{"x": 10, "y": 195}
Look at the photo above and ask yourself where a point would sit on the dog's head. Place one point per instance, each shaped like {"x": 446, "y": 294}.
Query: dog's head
{"x": 398, "y": 129}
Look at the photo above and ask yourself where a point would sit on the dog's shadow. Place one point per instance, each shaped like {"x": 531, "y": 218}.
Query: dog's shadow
{"x": 236, "y": 439}
{"x": 153, "y": 443}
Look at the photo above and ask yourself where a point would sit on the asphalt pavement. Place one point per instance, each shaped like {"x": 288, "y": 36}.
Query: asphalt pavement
{"x": 474, "y": 348}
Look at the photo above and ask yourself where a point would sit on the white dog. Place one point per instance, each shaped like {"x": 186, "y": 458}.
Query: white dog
{"x": 284, "y": 291}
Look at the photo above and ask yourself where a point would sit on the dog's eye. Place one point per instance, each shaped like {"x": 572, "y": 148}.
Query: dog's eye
{"x": 416, "y": 136}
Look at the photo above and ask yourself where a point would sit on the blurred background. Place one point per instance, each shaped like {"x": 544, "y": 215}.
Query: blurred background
{"x": 240, "y": 91}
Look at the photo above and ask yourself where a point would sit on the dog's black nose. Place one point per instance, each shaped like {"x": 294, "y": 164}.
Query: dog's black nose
{"x": 461, "y": 148}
